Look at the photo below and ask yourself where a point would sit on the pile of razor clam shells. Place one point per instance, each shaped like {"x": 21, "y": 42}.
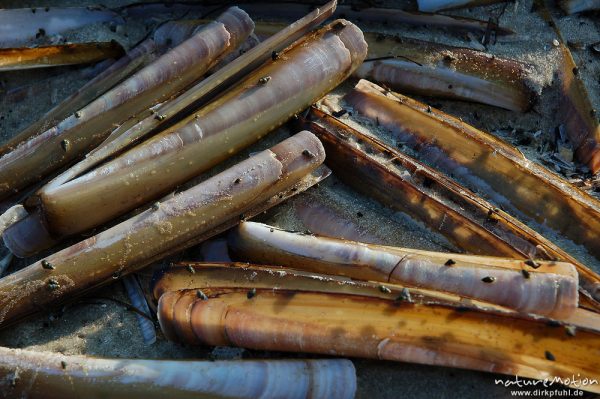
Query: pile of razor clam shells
{"x": 299, "y": 199}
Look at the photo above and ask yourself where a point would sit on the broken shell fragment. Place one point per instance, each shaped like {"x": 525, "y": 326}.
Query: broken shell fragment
{"x": 485, "y": 164}
{"x": 53, "y": 375}
{"x": 200, "y": 141}
{"x": 551, "y": 290}
{"x": 188, "y": 218}
{"x": 33, "y": 160}
{"x": 436, "y": 70}
{"x": 402, "y": 183}
{"x": 12, "y": 59}
{"x": 397, "y": 330}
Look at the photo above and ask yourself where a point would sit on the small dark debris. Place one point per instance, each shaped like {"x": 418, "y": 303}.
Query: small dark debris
{"x": 191, "y": 269}
{"x": 384, "y": 289}
{"x": 404, "y": 296}
{"x": 525, "y": 273}
{"x": 571, "y": 331}
{"x": 488, "y": 279}
{"x": 274, "y": 55}
{"x": 532, "y": 263}
{"x": 251, "y": 294}
{"x": 201, "y": 295}
{"x": 553, "y": 323}
{"x": 339, "y": 113}
{"x": 308, "y": 154}
{"x": 47, "y": 265}
{"x": 449, "y": 262}
{"x": 63, "y": 364}
{"x": 359, "y": 214}
{"x": 65, "y": 145}
{"x": 264, "y": 80}
{"x": 53, "y": 284}
{"x": 549, "y": 356}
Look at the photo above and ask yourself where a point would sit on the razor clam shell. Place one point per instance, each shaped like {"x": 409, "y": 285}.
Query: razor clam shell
{"x": 551, "y": 289}
{"x": 18, "y": 26}
{"x": 12, "y": 59}
{"x": 169, "y": 74}
{"x": 494, "y": 168}
{"x": 214, "y": 133}
{"x": 213, "y": 278}
{"x": 375, "y": 17}
{"x": 41, "y": 375}
{"x": 403, "y": 183}
{"x": 204, "y": 91}
{"x": 346, "y": 325}
{"x": 180, "y": 222}
{"x": 432, "y": 69}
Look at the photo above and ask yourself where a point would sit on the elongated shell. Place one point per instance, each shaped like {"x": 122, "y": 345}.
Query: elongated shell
{"x": 405, "y": 184}
{"x": 391, "y": 330}
{"x": 492, "y": 167}
{"x": 53, "y": 375}
{"x": 303, "y": 75}
{"x": 550, "y": 290}
{"x": 34, "y": 159}
{"x": 210, "y": 279}
{"x": 63, "y": 54}
{"x": 436, "y": 70}
{"x": 190, "y": 217}
{"x": 371, "y": 16}
{"x": 20, "y": 25}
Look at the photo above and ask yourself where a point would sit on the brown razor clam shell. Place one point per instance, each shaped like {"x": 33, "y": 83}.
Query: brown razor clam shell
{"x": 53, "y": 375}
{"x": 405, "y": 184}
{"x": 348, "y": 325}
{"x": 237, "y": 119}
{"x": 208, "y": 278}
{"x": 33, "y": 160}
{"x": 437, "y": 70}
{"x": 494, "y": 168}
{"x": 12, "y": 59}
{"x": 550, "y": 290}
{"x": 244, "y": 190}
{"x": 371, "y": 16}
